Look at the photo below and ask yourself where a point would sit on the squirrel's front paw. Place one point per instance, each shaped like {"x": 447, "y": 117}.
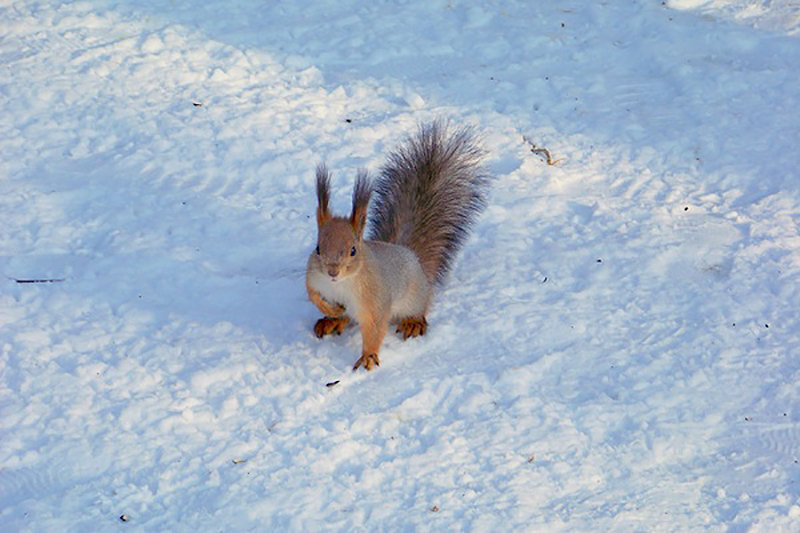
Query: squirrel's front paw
{"x": 327, "y": 325}
{"x": 368, "y": 360}
{"x": 334, "y": 309}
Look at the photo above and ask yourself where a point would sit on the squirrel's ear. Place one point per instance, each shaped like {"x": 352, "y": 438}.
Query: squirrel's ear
{"x": 323, "y": 194}
{"x": 361, "y": 194}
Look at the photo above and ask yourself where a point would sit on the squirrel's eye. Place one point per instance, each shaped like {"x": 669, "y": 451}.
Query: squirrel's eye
{"x": 352, "y": 251}
{"x": 317, "y": 250}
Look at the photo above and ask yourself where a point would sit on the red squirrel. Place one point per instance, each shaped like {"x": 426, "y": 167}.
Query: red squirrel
{"x": 426, "y": 199}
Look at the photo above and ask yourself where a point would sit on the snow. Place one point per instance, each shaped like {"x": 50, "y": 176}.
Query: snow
{"x": 783, "y": 15}
{"x": 616, "y": 348}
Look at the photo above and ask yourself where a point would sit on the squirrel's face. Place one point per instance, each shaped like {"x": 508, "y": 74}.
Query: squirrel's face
{"x": 338, "y": 249}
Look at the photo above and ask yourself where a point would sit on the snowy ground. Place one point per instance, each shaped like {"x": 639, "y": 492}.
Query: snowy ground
{"x": 616, "y": 349}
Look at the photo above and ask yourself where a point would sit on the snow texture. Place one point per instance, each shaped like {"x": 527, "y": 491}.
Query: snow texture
{"x": 616, "y": 348}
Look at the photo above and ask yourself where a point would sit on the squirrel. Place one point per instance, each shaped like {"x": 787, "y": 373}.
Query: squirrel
{"x": 427, "y": 197}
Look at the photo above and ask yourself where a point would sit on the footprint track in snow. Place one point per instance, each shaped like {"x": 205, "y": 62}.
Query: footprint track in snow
{"x": 782, "y": 439}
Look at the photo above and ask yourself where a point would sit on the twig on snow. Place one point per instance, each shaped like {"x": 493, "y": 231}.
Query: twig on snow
{"x": 545, "y": 151}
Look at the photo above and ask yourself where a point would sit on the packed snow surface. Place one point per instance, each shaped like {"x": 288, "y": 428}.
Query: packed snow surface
{"x": 616, "y": 349}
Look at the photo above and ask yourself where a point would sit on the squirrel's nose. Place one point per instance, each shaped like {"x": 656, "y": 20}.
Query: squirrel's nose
{"x": 333, "y": 271}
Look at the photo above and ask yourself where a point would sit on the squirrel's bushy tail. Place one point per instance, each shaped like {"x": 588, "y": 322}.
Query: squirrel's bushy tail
{"x": 429, "y": 194}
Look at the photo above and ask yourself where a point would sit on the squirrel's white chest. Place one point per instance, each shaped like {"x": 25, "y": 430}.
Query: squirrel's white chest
{"x": 341, "y": 292}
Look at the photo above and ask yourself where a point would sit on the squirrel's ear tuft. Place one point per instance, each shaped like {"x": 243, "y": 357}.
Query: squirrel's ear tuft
{"x": 361, "y": 195}
{"x": 323, "y": 194}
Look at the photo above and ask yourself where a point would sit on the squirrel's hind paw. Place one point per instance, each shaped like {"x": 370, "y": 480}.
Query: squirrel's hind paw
{"x": 368, "y": 360}
{"x": 412, "y": 327}
{"x": 327, "y": 325}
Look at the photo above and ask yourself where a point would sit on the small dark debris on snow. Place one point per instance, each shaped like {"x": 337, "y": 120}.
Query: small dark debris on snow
{"x": 435, "y": 509}
{"x": 349, "y": 120}
{"x": 30, "y": 281}
{"x": 686, "y": 208}
{"x": 124, "y": 518}
{"x": 238, "y": 461}
{"x": 599, "y": 260}
{"x": 197, "y": 104}
{"x": 544, "y": 280}
{"x": 332, "y": 384}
